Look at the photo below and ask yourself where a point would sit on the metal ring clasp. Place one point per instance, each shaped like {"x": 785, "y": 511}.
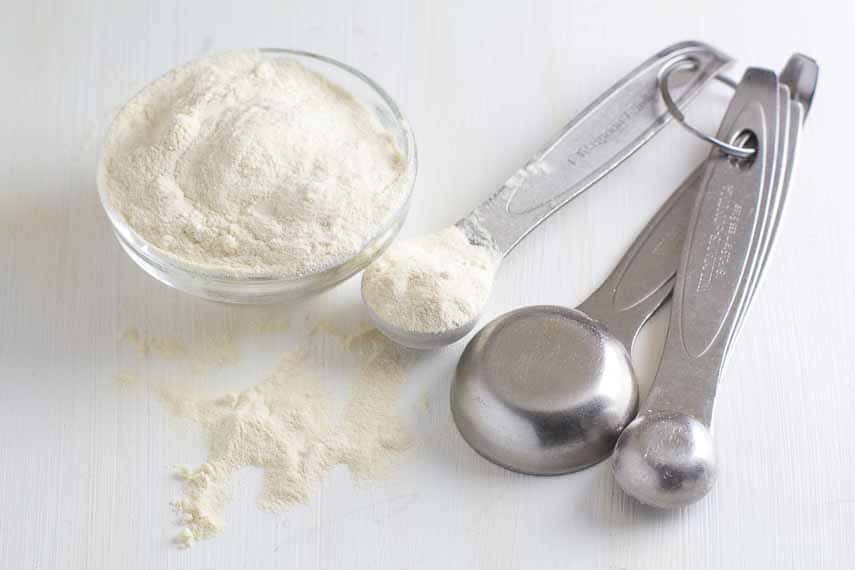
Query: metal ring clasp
{"x": 662, "y": 80}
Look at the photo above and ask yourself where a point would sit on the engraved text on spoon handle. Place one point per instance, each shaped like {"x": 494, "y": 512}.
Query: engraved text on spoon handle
{"x": 605, "y": 134}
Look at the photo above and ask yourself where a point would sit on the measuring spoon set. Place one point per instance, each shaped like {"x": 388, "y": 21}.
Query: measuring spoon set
{"x": 547, "y": 390}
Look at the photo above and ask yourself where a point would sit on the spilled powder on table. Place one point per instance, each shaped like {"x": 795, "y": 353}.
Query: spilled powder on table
{"x": 288, "y": 425}
{"x": 164, "y": 347}
{"x": 207, "y": 352}
{"x": 125, "y": 379}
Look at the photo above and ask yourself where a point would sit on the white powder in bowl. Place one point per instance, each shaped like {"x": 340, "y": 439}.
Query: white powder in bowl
{"x": 251, "y": 165}
{"x": 431, "y": 284}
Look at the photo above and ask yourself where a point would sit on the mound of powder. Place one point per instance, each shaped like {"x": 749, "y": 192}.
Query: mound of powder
{"x": 289, "y": 426}
{"x": 250, "y": 165}
{"x": 431, "y": 284}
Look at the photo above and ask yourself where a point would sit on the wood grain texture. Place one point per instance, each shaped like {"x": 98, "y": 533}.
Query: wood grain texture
{"x": 84, "y": 466}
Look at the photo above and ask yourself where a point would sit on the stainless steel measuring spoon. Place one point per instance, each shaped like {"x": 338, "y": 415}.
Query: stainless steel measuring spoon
{"x": 665, "y": 457}
{"x": 596, "y": 142}
{"x": 547, "y": 390}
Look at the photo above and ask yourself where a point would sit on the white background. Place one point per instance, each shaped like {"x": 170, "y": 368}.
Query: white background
{"x": 84, "y": 466}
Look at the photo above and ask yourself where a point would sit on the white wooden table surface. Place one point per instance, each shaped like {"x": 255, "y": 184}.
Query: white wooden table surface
{"x": 84, "y": 465}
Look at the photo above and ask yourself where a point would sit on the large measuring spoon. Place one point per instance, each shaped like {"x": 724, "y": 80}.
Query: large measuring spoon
{"x": 605, "y": 134}
{"x": 547, "y": 390}
{"x": 665, "y": 457}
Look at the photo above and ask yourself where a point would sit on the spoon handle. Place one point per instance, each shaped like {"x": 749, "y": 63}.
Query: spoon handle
{"x": 644, "y": 277}
{"x": 723, "y": 251}
{"x": 800, "y": 75}
{"x": 789, "y": 111}
{"x": 593, "y": 144}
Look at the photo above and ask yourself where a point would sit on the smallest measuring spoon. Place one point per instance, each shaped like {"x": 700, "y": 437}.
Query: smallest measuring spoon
{"x": 666, "y": 457}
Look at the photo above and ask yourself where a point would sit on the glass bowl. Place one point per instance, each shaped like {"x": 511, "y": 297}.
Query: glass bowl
{"x": 227, "y": 288}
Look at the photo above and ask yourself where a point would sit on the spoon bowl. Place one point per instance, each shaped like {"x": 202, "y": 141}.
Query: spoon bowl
{"x": 665, "y": 460}
{"x": 544, "y": 390}
{"x": 418, "y": 340}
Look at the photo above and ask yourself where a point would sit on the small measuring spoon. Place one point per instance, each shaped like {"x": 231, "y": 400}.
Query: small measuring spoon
{"x": 605, "y": 134}
{"x": 665, "y": 457}
{"x": 547, "y": 390}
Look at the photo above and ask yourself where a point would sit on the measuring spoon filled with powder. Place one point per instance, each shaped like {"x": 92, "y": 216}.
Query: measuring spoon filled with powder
{"x": 429, "y": 292}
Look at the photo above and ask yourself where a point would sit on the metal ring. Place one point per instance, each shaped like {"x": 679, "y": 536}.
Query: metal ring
{"x": 662, "y": 79}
